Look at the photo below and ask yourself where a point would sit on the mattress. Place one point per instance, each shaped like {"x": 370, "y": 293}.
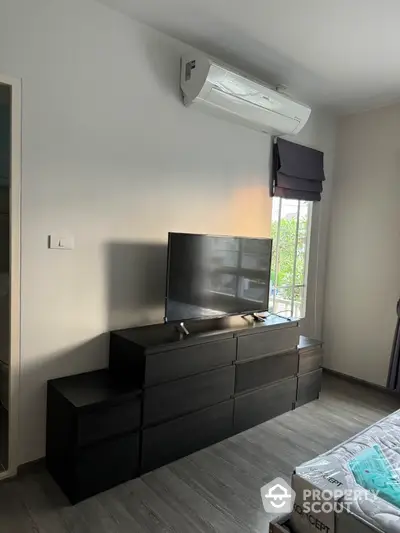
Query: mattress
{"x": 341, "y": 465}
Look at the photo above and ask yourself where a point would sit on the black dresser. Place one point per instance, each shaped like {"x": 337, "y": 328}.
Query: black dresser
{"x": 165, "y": 396}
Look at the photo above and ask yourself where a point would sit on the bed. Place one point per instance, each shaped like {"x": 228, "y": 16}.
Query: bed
{"x": 350, "y": 474}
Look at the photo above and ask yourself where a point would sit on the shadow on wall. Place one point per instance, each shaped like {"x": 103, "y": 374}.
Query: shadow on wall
{"x": 135, "y": 274}
{"x": 82, "y": 357}
{"x": 135, "y": 284}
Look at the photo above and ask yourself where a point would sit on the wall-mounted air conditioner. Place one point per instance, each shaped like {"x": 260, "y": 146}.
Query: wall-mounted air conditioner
{"x": 218, "y": 89}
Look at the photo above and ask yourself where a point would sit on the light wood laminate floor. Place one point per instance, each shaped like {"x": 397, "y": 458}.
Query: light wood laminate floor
{"x": 214, "y": 490}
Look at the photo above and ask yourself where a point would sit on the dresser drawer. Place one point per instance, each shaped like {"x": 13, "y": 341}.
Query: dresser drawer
{"x": 269, "y": 342}
{"x": 102, "y": 466}
{"x": 101, "y": 422}
{"x": 259, "y": 372}
{"x": 310, "y": 360}
{"x": 172, "y": 440}
{"x": 256, "y": 407}
{"x": 309, "y": 387}
{"x": 187, "y": 361}
{"x": 186, "y": 395}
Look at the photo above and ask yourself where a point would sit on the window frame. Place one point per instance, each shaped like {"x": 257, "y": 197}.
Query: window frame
{"x": 274, "y": 268}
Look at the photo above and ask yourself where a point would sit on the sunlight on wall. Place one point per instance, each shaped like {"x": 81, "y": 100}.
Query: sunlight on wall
{"x": 251, "y": 209}
{"x": 231, "y": 209}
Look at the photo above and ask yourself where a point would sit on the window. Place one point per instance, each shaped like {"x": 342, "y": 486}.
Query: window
{"x": 290, "y": 229}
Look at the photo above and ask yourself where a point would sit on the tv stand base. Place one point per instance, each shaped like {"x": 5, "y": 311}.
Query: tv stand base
{"x": 256, "y": 317}
{"x": 182, "y": 329}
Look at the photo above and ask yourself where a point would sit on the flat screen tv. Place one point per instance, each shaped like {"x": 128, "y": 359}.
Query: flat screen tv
{"x": 213, "y": 276}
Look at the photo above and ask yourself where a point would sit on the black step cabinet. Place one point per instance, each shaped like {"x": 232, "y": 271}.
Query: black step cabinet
{"x": 310, "y": 370}
{"x": 164, "y": 397}
{"x": 93, "y": 439}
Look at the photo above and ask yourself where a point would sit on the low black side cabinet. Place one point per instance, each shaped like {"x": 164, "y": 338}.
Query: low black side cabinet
{"x": 92, "y": 433}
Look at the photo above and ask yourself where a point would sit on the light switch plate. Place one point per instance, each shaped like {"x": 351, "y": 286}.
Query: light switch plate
{"x": 61, "y": 242}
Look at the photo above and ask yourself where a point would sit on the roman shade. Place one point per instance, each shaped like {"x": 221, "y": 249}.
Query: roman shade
{"x": 298, "y": 171}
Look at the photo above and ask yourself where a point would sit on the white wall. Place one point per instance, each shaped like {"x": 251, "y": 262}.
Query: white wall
{"x": 363, "y": 282}
{"x": 112, "y": 156}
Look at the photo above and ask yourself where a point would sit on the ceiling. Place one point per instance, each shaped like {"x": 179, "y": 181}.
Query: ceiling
{"x": 338, "y": 53}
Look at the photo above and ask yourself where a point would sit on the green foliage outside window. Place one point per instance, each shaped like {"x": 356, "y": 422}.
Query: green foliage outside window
{"x": 286, "y": 256}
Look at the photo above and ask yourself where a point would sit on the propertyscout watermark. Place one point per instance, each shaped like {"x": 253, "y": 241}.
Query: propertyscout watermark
{"x": 325, "y": 501}
{"x": 278, "y": 497}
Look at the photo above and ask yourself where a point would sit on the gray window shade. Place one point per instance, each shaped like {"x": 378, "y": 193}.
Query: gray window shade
{"x": 298, "y": 171}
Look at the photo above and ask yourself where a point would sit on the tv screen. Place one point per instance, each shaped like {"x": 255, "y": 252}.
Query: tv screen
{"x": 212, "y": 276}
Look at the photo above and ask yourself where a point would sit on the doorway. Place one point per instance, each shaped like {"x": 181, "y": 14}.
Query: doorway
{"x": 10, "y": 188}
